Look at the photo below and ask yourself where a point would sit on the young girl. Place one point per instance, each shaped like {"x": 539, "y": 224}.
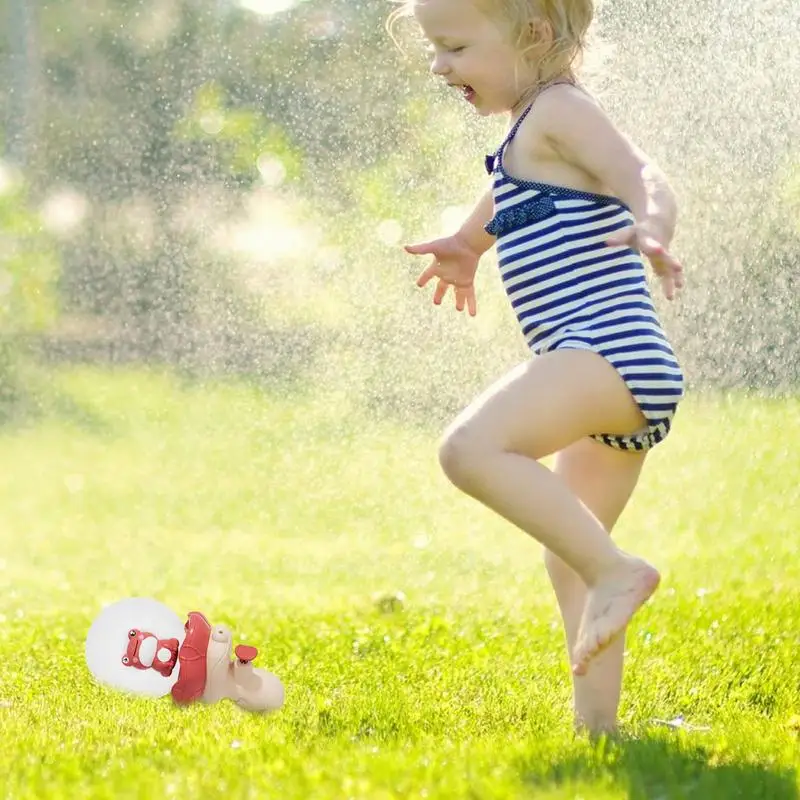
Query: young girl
{"x": 573, "y": 207}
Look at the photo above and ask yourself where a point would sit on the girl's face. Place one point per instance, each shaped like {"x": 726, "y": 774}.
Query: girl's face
{"x": 472, "y": 53}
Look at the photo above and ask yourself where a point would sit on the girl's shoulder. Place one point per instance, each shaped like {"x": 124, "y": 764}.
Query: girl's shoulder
{"x": 570, "y": 96}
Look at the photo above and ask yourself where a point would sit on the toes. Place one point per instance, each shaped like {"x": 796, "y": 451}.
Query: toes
{"x": 587, "y": 649}
{"x": 581, "y": 662}
{"x": 581, "y": 657}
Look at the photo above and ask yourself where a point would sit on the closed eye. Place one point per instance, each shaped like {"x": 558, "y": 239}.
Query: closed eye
{"x": 431, "y": 49}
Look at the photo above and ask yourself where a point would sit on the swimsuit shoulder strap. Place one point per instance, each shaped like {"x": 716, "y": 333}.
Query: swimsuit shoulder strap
{"x": 525, "y": 113}
{"x": 492, "y": 160}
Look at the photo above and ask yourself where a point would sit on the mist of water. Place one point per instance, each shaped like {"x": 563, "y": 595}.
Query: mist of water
{"x": 227, "y": 186}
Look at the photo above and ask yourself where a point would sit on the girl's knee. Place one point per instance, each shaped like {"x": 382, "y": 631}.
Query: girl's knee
{"x": 463, "y": 455}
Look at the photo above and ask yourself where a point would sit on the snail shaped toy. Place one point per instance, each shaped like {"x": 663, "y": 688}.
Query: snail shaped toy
{"x": 140, "y": 646}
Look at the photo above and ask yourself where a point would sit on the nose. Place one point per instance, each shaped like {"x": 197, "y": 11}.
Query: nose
{"x": 439, "y": 65}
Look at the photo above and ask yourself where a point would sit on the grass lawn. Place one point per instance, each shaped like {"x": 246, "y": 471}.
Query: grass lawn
{"x": 283, "y": 517}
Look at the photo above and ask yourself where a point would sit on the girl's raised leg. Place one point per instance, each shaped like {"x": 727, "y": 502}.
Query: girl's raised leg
{"x": 491, "y": 452}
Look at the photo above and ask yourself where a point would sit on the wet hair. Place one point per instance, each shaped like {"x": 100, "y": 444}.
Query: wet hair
{"x": 567, "y": 22}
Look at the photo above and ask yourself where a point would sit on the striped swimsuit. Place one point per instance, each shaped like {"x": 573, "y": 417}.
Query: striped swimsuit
{"x": 569, "y": 290}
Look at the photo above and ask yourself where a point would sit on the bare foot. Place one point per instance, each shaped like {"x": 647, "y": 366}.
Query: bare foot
{"x": 609, "y": 608}
{"x": 595, "y": 728}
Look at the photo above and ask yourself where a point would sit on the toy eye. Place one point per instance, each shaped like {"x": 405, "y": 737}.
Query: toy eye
{"x": 131, "y": 634}
{"x": 221, "y": 634}
{"x": 125, "y": 660}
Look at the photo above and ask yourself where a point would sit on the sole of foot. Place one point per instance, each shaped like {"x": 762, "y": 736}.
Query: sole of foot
{"x": 609, "y": 607}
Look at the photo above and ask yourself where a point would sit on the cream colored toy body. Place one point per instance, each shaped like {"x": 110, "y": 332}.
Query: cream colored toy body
{"x": 238, "y": 680}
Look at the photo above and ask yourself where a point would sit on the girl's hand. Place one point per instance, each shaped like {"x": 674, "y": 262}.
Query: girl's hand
{"x": 454, "y": 264}
{"x": 645, "y": 240}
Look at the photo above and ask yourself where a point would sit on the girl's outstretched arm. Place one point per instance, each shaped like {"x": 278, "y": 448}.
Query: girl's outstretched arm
{"x": 456, "y": 257}
{"x": 472, "y": 231}
{"x": 581, "y": 133}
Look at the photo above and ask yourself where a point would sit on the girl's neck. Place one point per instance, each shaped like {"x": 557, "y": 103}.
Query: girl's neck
{"x": 534, "y": 90}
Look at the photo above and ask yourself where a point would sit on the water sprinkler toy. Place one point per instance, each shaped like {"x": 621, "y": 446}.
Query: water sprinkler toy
{"x": 141, "y": 647}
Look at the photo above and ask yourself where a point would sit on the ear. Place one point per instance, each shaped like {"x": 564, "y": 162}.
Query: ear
{"x": 540, "y": 31}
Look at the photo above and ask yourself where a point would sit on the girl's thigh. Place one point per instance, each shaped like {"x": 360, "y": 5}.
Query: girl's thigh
{"x": 545, "y": 404}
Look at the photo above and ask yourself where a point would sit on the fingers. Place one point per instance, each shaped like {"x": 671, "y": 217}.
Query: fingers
{"x": 650, "y": 247}
{"x": 463, "y": 296}
{"x": 668, "y": 286}
{"x": 678, "y": 271}
{"x": 472, "y": 305}
{"x": 671, "y": 276}
{"x": 668, "y": 269}
{"x": 670, "y": 272}
{"x": 622, "y": 238}
{"x": 634, "y": 238}
{"x": 441, "y": 291}
{"x": 421, "y": 248}
{"x": 466, "y": 297}
{"x": 666, "y": 275}
{"x": 460, "y": 298}
{"x": 426, "y": 275}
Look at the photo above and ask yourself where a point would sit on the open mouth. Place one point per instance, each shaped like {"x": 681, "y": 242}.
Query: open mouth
{"x": 467, "y": 92}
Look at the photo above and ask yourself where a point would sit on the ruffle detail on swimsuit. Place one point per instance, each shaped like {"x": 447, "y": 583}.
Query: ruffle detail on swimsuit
{"x": 512, "y": 218}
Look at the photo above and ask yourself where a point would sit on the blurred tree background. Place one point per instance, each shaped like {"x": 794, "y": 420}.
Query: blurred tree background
{"x": 223, "y": 187}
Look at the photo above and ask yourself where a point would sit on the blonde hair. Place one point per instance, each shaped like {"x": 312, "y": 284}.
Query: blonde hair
{"x": 568, "y": 23}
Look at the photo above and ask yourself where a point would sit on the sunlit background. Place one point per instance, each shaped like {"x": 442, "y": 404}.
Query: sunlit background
{"x": 221, "y": 388}
{"x": 224, "y": 187}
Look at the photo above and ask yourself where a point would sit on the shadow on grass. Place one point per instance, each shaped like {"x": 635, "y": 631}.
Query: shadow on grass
{"x": 659, "y": 768}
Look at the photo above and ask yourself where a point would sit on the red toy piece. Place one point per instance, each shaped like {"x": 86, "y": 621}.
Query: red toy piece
{"x": 147, "y": 651}
{"x": 192, "y": 656}
{"x": 245, "y": 653}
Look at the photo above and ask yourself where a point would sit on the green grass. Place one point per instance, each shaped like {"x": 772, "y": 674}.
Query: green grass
{"x": 283, "y": 517}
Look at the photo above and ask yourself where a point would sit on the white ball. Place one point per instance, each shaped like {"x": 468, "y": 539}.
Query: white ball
{"x": 107, "y": 641}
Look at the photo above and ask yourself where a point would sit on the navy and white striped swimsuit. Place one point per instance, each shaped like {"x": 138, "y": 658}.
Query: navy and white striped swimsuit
{"x": 569, "y": 290}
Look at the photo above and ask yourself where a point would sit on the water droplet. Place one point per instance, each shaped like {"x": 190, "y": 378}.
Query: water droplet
{"x": 212, "y": 122}
{"x": 6, "y": 282}
{"x": 74, "y": 483}
{"x": 10, "y": 178}
{"x": 390, "y": 231}
{"x": 63, "y": 211}
{"x": 421, "y": 541}
{"x": 452, "y": 217}
{"x": 271, "y": 169}
{"x": 267, "y": 6}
